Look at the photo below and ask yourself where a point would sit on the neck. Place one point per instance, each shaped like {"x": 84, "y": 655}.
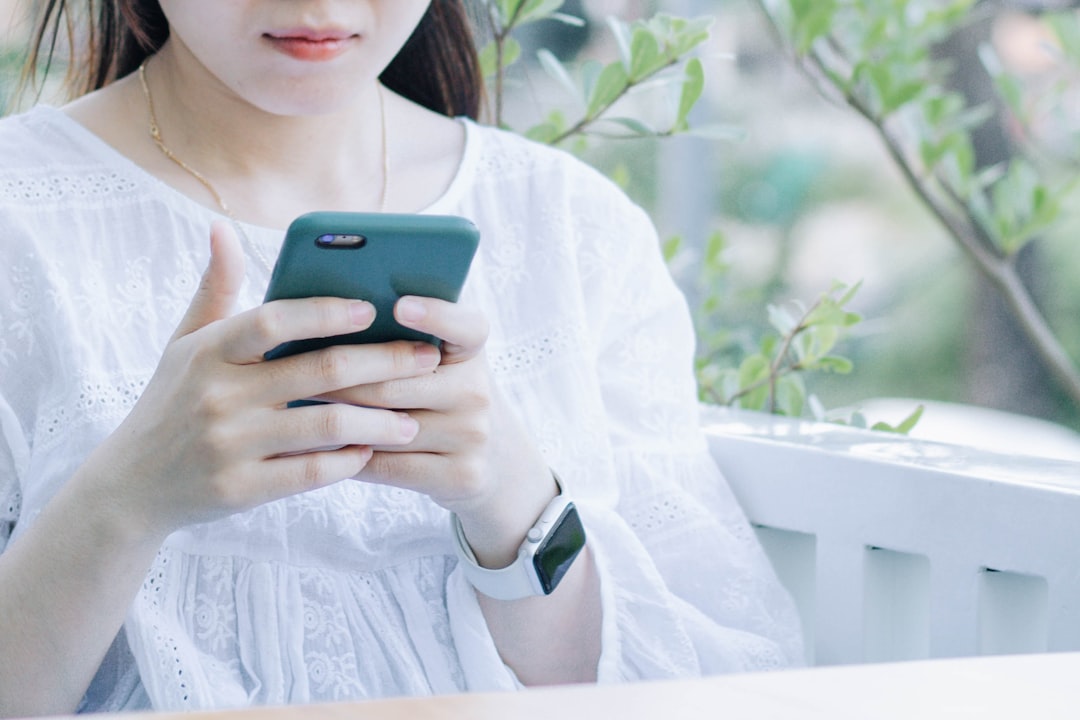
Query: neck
{"x": 268, "y": 167}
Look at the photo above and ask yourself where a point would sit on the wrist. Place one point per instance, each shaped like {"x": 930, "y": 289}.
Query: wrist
{"x": 496, "y": 527}
{"x": 116, "y": 503}
{"x": 549, "y": 548}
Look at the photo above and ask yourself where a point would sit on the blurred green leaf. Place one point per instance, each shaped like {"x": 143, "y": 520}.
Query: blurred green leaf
{"x": 609, "y": 86}
{"x": 534, "y": 10}
{"x": 545, "y": 133}
{"x": 550, "y": 130}
{"x": 590, "y": 73}
{"x": 507, "y": 9}
{"x": 754, "y": 371}
{"x": 715, "y": 245}
{"x": 671, "y": 247}
{"x": 621, "y": 32}
{"x": 1066, "y": 28}
{"x": 645, "y": 57}
{"x": 835, "y": 364}
{"x": 620, "y": 175}
{"x": 692, "y": 88}
{"x": 558, "y": 72}
{"x": 489, "y": 61}
{"x": 813, "y": 19}
{"x": 790, "y": 396}
{"x": 905, "y": 426}
{"x": 782, "y": 320}
{"x": 571, "y": 20}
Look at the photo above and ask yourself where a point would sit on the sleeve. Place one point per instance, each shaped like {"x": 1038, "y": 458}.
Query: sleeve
{"x": 600, "y": 365}
{"x": 14, "y": 443}
{"x": 689, "y": 591}
{"x": 13, "y": 457}
{"x": 481, "y": 664}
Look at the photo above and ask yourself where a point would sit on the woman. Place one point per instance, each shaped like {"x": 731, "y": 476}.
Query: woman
{"x": 173, "y": 536}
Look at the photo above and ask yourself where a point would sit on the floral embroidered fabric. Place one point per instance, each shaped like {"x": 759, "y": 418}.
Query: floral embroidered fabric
{"x": 352, "y": 591}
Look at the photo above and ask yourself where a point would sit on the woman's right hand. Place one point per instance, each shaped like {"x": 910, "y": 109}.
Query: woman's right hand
{"x": 211, "y": 435}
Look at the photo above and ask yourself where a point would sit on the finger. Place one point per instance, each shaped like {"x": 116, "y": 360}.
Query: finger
{"x": 447, "y": 388}
{"x": 440, "y": 434}
{"x": 293, "y": 474}
{"x": 331, "y": 425}
{"x": 321, "y": 373}
{"x": 443, "y": 478}
{"x": 220, "y": 284}
{"x": 263, "y": 328}
{"x": 463, "y": 330}
{"x": 409, "y": 471}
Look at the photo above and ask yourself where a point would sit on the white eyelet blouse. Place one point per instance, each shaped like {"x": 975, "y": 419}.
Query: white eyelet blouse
{"x": 353, "y": 591}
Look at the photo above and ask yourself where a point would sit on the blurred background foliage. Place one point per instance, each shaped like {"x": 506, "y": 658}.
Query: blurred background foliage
{"x": 784, "y": 191}
{"x": 804, "y": 193}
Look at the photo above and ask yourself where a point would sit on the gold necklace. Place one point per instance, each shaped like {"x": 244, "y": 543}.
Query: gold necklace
{"x": 155, "y": 135}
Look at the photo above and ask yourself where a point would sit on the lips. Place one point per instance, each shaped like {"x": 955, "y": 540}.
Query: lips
{"x": 311, "y": 45}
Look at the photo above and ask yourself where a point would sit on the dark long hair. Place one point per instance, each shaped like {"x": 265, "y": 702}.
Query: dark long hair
{"x": 437, "y": 67}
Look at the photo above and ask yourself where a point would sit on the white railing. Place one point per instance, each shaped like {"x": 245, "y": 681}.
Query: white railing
{"x": 898, "y": 549}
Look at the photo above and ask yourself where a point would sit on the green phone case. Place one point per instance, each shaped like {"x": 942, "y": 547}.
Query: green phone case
{"x": 426, "y": 255}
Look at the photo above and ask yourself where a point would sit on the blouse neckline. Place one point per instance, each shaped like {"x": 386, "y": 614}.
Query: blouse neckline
{"x": 109, "y": 155}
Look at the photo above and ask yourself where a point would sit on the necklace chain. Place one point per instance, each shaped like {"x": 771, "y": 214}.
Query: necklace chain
{"x": 155, "y": 135}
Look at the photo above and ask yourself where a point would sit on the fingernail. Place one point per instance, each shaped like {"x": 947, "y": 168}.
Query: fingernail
{"x": 411, "y": 310}
{"x": 409, "y": 427}
{"x": 427, "y": 355}
{"x": 361, "y": 313}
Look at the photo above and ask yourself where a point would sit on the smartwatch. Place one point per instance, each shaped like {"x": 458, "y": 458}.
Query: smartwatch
{"x": 543, "y": 558}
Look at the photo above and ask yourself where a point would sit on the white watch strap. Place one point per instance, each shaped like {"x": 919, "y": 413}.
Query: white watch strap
{"x": 518, "y": 579}
{"x": 515, "y": 581}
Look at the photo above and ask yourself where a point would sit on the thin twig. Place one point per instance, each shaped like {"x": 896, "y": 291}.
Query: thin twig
{"x": 590, "y": 118}
{"x": 500, "y": 34}
{"x": 776, "y": 368}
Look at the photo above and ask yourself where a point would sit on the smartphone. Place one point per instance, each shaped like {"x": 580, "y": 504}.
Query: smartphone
{"x": 377, "y": 257}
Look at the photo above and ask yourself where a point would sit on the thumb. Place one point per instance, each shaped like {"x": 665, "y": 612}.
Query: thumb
{"x": 220, "y": 285}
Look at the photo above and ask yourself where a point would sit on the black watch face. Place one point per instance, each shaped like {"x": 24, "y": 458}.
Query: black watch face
{"x": 558, "y": 550}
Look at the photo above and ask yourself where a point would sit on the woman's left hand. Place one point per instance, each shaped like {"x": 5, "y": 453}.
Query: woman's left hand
{"x": 471, "y": 454}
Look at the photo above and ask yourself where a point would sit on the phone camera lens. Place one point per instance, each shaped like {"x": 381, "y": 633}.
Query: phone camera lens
{"x": 341, "y": 241}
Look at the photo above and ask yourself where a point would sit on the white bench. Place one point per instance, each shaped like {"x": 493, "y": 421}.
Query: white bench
{"x": 900, "y": 549}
